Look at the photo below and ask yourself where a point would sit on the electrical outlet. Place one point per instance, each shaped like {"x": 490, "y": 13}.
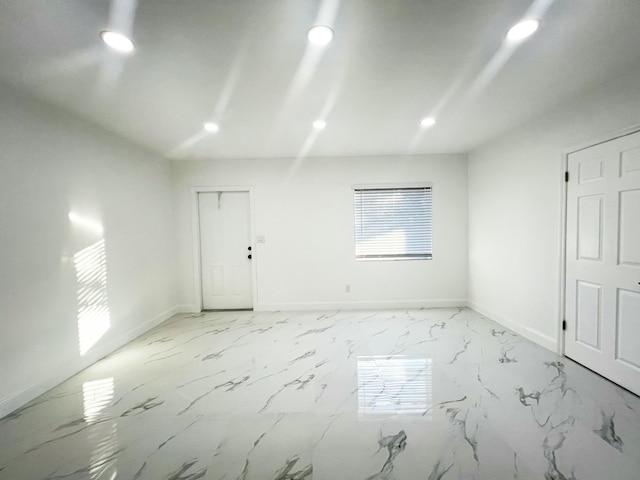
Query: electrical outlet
{"x": 347, "y": 289}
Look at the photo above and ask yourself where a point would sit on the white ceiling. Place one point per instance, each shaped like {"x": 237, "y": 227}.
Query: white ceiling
{"x": 246, "y": 65}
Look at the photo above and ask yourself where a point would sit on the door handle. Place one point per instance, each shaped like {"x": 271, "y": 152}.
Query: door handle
{"x": 249, "y": 256}
{"x": 249, "y": 248}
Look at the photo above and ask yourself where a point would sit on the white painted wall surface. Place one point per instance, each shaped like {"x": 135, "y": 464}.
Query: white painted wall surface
{"x": 515, "y": 203}
{"x": 52, "y": 163}
{"x": 305, "y": 212}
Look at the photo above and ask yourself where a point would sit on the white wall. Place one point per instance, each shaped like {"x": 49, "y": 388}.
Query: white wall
{"x": 306, "y": 216}
{"x": 515, "y": 185}
{"x": 52, "y": 164}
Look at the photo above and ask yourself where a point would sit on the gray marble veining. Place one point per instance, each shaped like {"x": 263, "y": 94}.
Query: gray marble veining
{"x": 434, "y": 394}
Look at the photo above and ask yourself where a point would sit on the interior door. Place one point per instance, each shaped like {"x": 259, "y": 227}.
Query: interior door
{"x": 603, "y": 260}
{"x": 225, "y": 250}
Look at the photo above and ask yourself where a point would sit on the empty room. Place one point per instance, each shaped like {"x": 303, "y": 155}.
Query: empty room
{"x": 319, "y": 239}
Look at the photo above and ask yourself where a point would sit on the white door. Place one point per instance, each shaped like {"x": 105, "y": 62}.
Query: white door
{"x": 603, "y": 260}
{"x": 225, "y": 250}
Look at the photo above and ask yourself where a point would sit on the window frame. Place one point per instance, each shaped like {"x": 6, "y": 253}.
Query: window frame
{"x": 427, "y": 255}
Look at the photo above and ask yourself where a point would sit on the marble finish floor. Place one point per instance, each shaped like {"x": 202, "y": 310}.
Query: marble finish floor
{"x": 433, "y": 394}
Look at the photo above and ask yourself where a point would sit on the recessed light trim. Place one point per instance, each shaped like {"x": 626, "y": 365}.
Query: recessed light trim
{"x": 211, "y": 127}
{"x": 427, "y": 122}
{"x": 523, "y": 29}
{"x": 117, "y": 41}
{"x": 319, "y": 124}
{"x": 320, "y": 35}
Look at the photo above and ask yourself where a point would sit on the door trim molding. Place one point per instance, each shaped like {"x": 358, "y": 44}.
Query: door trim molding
{"x": 563, "y": 218}
{"x": 195, "y": 229}
{"x": 606, "y": 137}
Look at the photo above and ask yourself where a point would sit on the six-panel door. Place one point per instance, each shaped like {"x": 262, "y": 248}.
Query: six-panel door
{"x": 603, "y": 260}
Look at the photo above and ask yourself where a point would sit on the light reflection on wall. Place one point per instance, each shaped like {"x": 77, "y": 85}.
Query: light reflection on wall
{"x": 91, "y": 276}
{"x": 102, "y": 431}
{"x": 394, "y": 385}
{"x": 93, "y": 307}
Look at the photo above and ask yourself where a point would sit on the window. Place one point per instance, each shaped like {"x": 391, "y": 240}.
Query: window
{"x": 393, "y": 223}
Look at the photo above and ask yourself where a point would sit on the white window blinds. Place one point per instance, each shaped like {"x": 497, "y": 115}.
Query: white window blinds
{"x": 393, "y": 223}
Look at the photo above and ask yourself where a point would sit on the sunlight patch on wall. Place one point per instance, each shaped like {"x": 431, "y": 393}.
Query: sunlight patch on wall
{"x": 394, "y": 385}
{"x": 93, "y": 308}
{"x": 86, "y": 223}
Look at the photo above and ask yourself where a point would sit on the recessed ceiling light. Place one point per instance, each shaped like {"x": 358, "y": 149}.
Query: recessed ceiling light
{"x": 428, "y": 122}
{"x": 319, "y": 125}
{"x": 522, "y": 30}
{"x": 117, "y": 41}
{"x": 211, "y": 127}
{"x": 320, "y": 34}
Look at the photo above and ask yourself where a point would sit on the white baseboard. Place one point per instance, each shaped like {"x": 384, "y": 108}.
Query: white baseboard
{"x": 356, "y": 305}
{"x": 186, "y": 308}
{"x": 60, "y": 373}
{"x": 530, "y": 333}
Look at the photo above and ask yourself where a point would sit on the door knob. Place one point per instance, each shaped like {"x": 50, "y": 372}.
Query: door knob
{"x": 249, "y": 249}
{"x": 249, "y": 256}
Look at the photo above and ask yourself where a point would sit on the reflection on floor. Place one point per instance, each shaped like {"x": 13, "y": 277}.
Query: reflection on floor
{"x": 418, "y": 394}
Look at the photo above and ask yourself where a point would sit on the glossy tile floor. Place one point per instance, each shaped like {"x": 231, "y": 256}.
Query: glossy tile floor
{"x": 418, "y": 394}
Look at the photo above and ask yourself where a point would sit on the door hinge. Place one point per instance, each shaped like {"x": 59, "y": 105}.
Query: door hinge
{"x": 564, "y": 324}
{"x": 566, "y": 176}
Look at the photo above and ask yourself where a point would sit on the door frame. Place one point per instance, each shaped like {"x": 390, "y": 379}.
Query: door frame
{"x": 195, "y": 226}
{"x": 563, "y": 213}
